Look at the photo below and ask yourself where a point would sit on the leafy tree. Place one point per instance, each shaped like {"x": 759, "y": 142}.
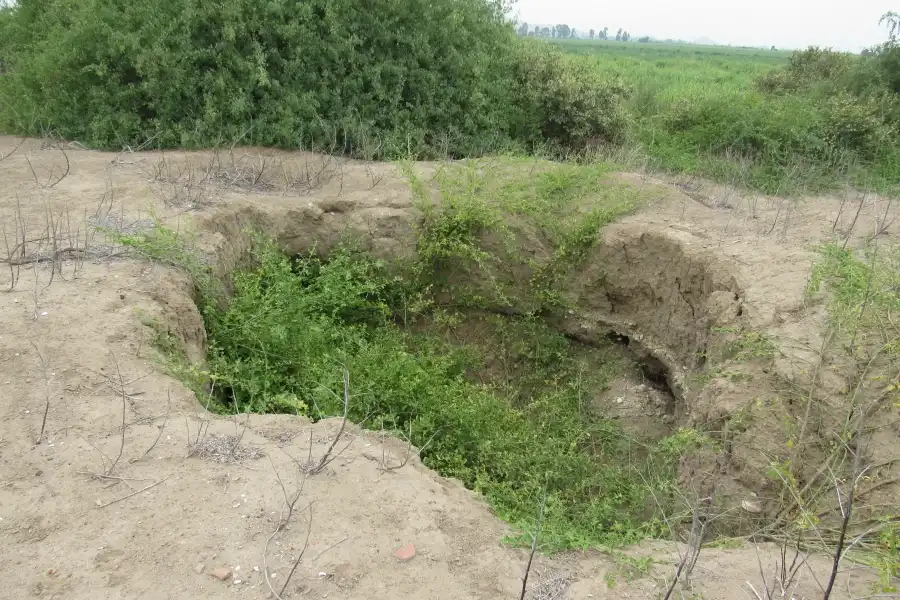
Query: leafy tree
{"x": 537, "y": 30}
{"x": 619, "y": 35}
{"x": 523, "y": 29}
{"x": 604, "y": 35}
{"x": 573, "y": 34}
{"x": 563, "y": 31}
{"x": 546, "y": 32}
{"x": 626, "y": 36}
{"x": 591, "y": 34}
{"x": 644, "y": 39}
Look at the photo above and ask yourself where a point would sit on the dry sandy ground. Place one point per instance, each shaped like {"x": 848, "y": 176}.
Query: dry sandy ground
{"x": 92, "y": 510}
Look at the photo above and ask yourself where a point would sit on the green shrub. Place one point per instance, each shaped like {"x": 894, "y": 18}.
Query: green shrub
{"x": 412, "y": 73}
{"x": 857, "y": 124}
{"x": 381, "y": 78}
{"x": 565, "y": 99}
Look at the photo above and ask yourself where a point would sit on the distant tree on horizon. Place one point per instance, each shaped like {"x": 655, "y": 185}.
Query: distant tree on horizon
{"x": 619, "y": 35}
{"x": 523, "y": 29}
{"x": 604, "y": 35}
{"x": 591, "y": 34}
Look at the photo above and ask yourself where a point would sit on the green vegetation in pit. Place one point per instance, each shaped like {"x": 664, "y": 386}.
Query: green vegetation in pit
{"x": 291, "y": 326}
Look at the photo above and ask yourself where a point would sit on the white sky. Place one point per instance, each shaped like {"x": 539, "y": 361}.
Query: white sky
{"x": 841, "y": 24}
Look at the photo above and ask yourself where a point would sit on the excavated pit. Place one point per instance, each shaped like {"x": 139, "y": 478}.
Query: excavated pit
{"x": 662, "y": 295}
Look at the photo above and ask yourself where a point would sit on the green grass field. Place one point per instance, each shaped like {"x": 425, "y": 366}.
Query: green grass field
{"x": 701, "y": 110}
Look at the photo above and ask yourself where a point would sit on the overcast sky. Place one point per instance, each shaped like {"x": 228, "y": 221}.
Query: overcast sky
{"x": 841, "y": 24}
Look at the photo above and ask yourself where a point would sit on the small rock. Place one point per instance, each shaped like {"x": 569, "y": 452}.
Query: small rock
{"x": 198, "y": 568}
{"x": 221, "y": 573}
{"x": 752, "y": 506}
{"x": 406, "y": 553}
{"x": 237, "y": 582}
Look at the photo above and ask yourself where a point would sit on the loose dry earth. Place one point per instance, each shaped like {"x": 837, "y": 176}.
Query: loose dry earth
{"x": 89, "y": 509}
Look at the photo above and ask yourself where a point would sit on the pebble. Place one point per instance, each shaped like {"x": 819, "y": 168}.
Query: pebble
{"x": 198, "y": 568}
{"x": 406, "y": 553}
{"x": 752, "y": 506}
{"x": 221, "y": 573}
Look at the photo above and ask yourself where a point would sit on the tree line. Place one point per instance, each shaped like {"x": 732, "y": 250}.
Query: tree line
{"x": 563, "y": 31}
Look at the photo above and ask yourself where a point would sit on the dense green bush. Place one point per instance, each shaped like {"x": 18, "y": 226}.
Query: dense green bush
{"x": 565, "y": 99}
{"x": 811, "y": 68}
{"x": 386, "y": 77}
{"x": 278, "y": 72}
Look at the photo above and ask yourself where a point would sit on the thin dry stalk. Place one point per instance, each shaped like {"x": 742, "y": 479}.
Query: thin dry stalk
{"x": 883, "y": 224}
{"x": 299, "y": 556}
{"x": 534, "y": 544}
{"x": 161, "y": 429}
{"x": 46, "y": 393}
{"x": 695, "y": 545}
{"x": 50, "y": 182}
{"x": 13, "y": 151}
{"x": 846, "y": 508}
{"x": 855, "y": 218}
{"x": 327, "y": 458}
{"x": 409, "y": 453}
{"x": 122, "y": 385}
{"x": 144, "y": 489}
{"x": 282, "y": 523}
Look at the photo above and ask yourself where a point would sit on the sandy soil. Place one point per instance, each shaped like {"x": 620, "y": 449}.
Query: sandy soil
{"x": 90, "y": 509}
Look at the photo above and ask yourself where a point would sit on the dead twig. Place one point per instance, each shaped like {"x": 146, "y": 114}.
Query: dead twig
{"x": 161, "y": 429}
{"x": 144, "y": 489}
{"x": 409, "y": 453}
{"x": 302, "y": 552}
{"x": 534, "y": 543}
{"x": 46, "y": 393}
{"x": 695, "y": 545}
{"x": 122, "y": 385}
{"x": 327, "y": 458}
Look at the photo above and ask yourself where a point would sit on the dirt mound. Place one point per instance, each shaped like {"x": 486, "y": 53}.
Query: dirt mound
{"x": 91, "y": 508}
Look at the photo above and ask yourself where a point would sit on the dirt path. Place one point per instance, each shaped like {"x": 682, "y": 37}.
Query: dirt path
{"x": 88, "y": 510}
